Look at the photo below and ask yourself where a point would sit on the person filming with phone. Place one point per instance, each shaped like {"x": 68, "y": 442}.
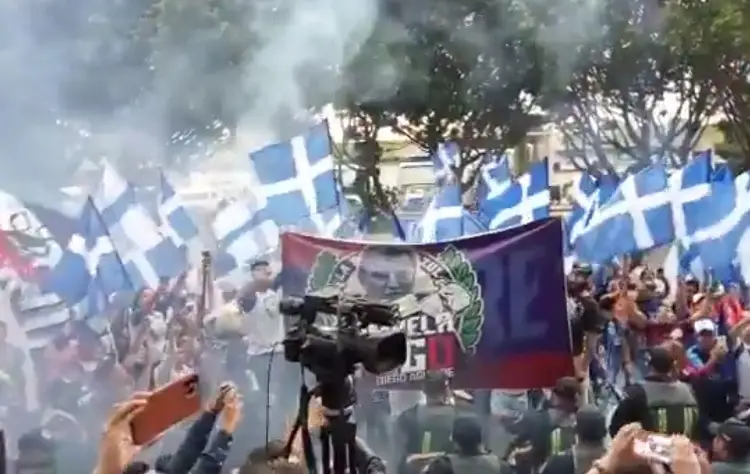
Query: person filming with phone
{"x": 133, "y": 426}
{"x": 712, "y": 374}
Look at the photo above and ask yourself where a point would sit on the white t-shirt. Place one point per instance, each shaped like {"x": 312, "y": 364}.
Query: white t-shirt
{"x": 264, "y": 324}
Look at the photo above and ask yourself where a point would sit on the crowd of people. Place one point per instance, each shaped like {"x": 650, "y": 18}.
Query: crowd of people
{"x": 651, "y": 361}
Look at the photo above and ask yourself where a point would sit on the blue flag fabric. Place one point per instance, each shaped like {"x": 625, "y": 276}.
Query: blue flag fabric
{"x": 482, "y": 309}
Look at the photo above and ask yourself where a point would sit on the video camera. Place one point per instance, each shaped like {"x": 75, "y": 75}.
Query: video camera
{"x": 333, "y": 354}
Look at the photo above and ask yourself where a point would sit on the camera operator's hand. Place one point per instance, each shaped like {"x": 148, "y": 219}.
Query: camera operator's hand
{"x": 231, "y": 412}
{"x": 316, "y": 418}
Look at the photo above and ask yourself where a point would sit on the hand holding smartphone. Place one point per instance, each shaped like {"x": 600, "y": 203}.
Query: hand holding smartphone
{"x": 217, "y": 402}
{"x": 167, "y": 406}
{"x": 654, "y": 447}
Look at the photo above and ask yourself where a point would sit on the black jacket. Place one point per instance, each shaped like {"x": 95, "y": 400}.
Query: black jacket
{"x": 212, "y": 459}
{"x": 193, "y": 444}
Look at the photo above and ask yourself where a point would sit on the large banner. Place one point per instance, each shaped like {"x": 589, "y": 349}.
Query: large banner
{"x": 489, "y": 310}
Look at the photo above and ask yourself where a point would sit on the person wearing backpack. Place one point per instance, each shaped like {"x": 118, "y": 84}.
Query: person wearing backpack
{"x": 661, "y": 404}
{"x": 591, "y": 432}
{"x": 468, "y": 454}
{"x": 543, "y": 433}
{"x": 426, "y": 428}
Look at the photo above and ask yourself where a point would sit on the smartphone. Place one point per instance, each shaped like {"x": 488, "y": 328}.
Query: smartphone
{"x": 654, "y": 447}
{"x": 167, "y": 406}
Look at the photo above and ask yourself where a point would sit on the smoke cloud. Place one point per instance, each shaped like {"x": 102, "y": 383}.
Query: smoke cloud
{"x": 162, "y": 82}
{"x": 114, "y": 79}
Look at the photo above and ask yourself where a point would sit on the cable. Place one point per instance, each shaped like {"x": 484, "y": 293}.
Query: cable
{"x": 268, "y": 391}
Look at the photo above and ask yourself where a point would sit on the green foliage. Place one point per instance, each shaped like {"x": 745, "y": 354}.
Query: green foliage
{"x": 469, "y": 70}
{"x": 469, "y": 320}
{"x": 722, "y": 49}
{"x": 322, "y": 271}
{"x": 641, "y": 89}
{"x": 483, "y": 72}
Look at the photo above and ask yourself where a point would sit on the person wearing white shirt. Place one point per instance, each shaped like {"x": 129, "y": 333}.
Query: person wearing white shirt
{"x": 263, "y": 328}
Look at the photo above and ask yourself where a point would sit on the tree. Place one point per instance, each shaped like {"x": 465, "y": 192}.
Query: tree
{"x": 197, "y": 54}
{"x": 361, "y": 152}
{"x": 725, "y": 35}
{"x": 465, "y": 70}
{"x": 640, "y": 89}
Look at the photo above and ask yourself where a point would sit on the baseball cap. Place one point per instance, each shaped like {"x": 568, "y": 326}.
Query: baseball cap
{"x": 734, "y": 432}
{"x": 567, "y": 388}
{"x": 704, "y": 325}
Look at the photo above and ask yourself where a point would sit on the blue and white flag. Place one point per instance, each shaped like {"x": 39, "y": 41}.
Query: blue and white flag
{"x": 444, "y": 159}
{"x": 243, "y": 233}
{"x": 718, "y": 223}
{"x": 494, "y": 179}
{"x": 582, "y": 197}
{"x": 638, "y": 216}
{"x": 722, "y": 173}
{"x": 296, "y": 177}
{"x": 743, "y": 181}
{"x": 526, "y": 200}
{"x": 175, "y": 220}
{"x": 687, "y": 187}
{"x": 90, "y": 259}
{"x": 148, "y": 254}
{"x": 446, "y": 218}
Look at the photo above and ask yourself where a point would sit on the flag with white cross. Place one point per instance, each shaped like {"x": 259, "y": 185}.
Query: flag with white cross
{"x": 296, "y": 177}
{"x": 637, "y": 217}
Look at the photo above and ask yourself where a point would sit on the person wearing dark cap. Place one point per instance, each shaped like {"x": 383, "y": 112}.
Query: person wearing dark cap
{"x": 543, "y": 433}
{"x": 730, "y": 450}
{"x": 469, "y": 454}
{"x": 426, "y": 428}
{"x": 660, "y": 403}
{"x": 591, "y": 432}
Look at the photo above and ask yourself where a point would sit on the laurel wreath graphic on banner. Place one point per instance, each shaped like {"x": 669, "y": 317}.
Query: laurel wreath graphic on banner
{"x": 468, "y": 321}
{"x": 320, "y": 276}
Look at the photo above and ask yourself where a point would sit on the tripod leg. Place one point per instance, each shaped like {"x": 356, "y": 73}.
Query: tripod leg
{"x": 325, "y": 449}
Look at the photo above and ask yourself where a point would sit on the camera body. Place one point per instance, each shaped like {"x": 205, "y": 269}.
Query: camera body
{"x": 332, "y": 354}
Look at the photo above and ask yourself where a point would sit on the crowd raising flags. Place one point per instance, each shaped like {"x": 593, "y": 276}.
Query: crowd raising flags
{"x": 701, "y": 210}
{"x": 117, "y": 245}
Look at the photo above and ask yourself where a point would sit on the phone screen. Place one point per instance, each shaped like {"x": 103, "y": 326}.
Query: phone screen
{"x": 654, "y": 447}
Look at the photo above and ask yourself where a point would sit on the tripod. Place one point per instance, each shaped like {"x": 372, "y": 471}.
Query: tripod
{"x": 337, "y": 436}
